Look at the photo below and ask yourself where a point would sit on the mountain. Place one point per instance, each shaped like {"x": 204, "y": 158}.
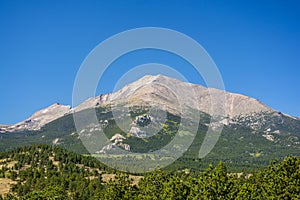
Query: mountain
{"x": 38, "y": 119}
{"x": 4, "y": 125}
{"x": 161, "y": 90}
{"x": 154, "y": 109}
{"x": 150, "y": 90}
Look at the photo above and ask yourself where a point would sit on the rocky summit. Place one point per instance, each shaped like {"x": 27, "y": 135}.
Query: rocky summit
{"x": 39, "y": 119}
{"x": 167, "y": 92}
{"x": 158, "y": 91}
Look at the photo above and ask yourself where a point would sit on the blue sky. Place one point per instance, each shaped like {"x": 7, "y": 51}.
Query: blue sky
{"x": 255, "y": 45}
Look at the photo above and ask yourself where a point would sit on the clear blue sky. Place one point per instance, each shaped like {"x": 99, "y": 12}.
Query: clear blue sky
{"x": 255, "y": 44}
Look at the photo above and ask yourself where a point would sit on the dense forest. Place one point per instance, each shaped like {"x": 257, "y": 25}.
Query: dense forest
{"x": 46, "y": 172}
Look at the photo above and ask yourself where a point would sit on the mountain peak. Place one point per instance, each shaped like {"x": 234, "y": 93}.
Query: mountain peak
{"x": 158, "y": 91}
{"x": 155, "y": 90}
{"x": 158, "y": 78}
{"x": 39, "y": 118}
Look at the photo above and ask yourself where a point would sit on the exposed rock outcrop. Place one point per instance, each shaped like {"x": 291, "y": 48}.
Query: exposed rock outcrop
{"x": 116, "y": 141}
{"x": 164, "y": 92}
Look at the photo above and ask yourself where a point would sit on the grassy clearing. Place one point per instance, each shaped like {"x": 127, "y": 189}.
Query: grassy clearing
{"x": 5, "y": 185}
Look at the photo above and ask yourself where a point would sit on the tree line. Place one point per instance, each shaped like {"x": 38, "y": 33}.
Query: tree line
{"x": 46, "y": 172}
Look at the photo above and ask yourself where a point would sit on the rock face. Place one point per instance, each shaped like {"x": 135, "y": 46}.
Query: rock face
{"x": 116, "y": 141}
{"x": 39, "y": 119}
{"x": 137, "y": 132}
{"x": 165, "y": 92}
{"x": 156, "y": 91}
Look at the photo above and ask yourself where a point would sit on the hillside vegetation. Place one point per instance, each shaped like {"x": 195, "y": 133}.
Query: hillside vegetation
{"x": 45, "y": 172}
{"x": 239, "y": 146}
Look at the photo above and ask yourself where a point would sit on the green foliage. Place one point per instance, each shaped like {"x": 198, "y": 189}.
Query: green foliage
{"x": 278, "y": 181}
{"x": 151, "y": 186}
{"x": 63, "y": 174}
{"x": 44, "y": 172}
{"x": 119, "y": 188}
{"x": 49, "y": 193}
{"x": 240, "y": 147}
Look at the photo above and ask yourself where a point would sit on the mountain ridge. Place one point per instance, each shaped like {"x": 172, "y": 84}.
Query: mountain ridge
{"x": 154, "y": 91}
{"x": 133, "y": 91}
{"x": 248, "y": 140}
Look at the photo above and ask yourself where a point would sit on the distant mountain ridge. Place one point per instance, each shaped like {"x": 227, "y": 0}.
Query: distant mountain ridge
{"x": 151, "y": 91}
{"x": 39, "y": 118}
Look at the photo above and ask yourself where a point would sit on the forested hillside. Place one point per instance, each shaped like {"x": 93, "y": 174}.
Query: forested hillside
{"x": 45, "y": 172}
{"x": 239, "y": 146}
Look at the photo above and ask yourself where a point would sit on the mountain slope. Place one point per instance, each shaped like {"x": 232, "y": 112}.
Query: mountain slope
{"x": 38, "y": 119}
{"x": 253, "y": 133}
{"x": 240, "y": 146}
{"x": 162, "y": 90}
{"x": 159, "y": 91}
